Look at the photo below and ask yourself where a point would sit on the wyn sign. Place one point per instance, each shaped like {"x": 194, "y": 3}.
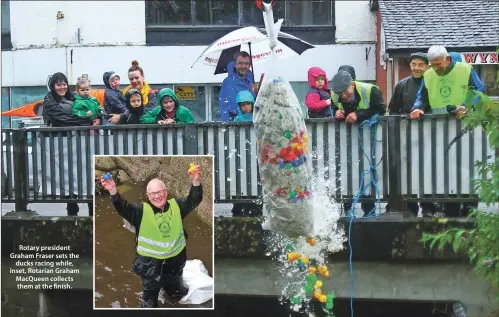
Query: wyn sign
{"x": 480, "y": 58}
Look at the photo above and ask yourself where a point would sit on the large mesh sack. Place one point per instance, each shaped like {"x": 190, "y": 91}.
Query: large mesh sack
{"x": 282, "y": 156}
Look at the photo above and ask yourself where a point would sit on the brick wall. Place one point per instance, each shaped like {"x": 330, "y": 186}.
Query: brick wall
{"x": 404, "y": 68}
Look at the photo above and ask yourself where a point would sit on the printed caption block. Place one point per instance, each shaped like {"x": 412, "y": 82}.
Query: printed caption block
{"x": 44, "y": 267}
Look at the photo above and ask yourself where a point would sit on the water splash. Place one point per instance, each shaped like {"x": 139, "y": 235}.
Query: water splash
{"x": 329, "y": 238}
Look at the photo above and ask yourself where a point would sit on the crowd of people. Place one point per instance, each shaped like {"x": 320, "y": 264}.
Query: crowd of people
{"x": 438, "y": 84}
{"x": 136, "y": 104}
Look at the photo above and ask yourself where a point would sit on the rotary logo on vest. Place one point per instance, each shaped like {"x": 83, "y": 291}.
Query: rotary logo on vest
{"x": 445, "y": 91}
{"x": 163, "y": 224}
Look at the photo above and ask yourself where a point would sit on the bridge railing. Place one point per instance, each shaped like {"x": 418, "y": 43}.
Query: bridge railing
{"x": 56, "y": 164}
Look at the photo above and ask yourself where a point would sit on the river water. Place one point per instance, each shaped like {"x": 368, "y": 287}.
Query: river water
{"x": 115, "y": 284}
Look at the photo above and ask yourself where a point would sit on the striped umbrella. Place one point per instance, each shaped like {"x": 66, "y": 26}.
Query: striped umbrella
{"x": 253, "y": 40}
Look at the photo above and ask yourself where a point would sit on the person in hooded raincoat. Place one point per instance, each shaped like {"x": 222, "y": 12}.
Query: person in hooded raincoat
{"x": 114, "y": 100}
{"x": 161, "y": 252}
{"x": 135, "y": 107}
{"x": 245, "y": 101}
{"x": 318, "y": 99}
{"x": 239, "y": 78}
{"x": 168, "y": 110}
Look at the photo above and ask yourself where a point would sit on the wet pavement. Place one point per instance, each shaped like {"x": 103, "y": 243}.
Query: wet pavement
{"x": 115, "y": 284}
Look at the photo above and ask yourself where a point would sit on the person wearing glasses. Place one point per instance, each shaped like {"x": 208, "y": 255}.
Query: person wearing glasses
{"x": 160, "y": 236}
{"x": 239, "y": 78}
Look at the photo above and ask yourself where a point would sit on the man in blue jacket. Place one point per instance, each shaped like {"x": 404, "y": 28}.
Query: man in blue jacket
{"x": 239, "y": 78}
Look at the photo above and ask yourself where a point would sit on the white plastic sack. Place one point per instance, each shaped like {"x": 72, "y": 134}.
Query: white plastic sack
{"x": 198, "y": 281}
{"x": 282, "y": 155}
{"x": 129, "y": 226}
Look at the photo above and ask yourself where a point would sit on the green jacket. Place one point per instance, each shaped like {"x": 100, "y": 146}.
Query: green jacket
{"x": 182, "y": 114}
{"x": 82, "y": 105}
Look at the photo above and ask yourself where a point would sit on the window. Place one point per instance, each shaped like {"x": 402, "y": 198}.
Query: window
{"x": 6, "y": 40}
{"x": 196, "y": 22}
{"x": 5, "y": 17}
{"x": 5, "y": 106}
{"x": 215, "y": 104}
{"x": 193, "y": 98}
{"x": 25, "y": 95}
{"x": 490, "y": 79}
{"x": 236, "y": 13}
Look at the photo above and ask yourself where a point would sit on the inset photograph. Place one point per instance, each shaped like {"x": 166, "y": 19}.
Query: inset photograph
{"x": 153, "y": 232}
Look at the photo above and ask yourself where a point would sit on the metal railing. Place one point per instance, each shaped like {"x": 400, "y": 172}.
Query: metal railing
{"x": 55, "y": 164}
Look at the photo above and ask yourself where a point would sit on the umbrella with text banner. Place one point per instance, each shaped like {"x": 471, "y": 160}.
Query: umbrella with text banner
{"x": 252, "y": 40}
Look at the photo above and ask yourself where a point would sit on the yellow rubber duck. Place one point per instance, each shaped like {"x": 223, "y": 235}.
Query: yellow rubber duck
{"x": 304, "y": 259}
{"x": 192, "y": 168}
{"x": 311, "y": 241}
{"x": 323, "y": 298}
{"x": 293, "y": 256}
{"x": 317, "y": 294}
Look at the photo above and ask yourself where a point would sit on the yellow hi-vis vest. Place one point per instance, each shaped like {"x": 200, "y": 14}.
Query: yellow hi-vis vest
{"x": 364, "y": 91}
{"x": 161, "y": 235}
{"x": 449, "y": 89}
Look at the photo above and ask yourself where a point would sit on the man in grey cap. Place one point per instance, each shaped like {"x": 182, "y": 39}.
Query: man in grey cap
{"x": 405, "y": 91}
{"x": 355, "y": 101}
{"x": 402, "y": 101}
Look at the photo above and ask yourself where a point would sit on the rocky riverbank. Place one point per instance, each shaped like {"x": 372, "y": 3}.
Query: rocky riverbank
{"x": 133, "y": 170}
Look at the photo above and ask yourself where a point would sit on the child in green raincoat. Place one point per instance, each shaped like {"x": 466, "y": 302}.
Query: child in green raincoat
{"x": 86, "y": 106}
{"x": 168, "y": 111}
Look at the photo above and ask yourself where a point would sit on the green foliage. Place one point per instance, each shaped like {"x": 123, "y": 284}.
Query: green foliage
{"x": 481, "y": 243}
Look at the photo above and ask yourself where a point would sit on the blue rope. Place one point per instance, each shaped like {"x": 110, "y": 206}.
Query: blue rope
{"x": 372, "y": 124}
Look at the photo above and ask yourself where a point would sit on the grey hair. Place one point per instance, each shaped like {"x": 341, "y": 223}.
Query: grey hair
{"x": 155, "y": 180}
{"x": 437, "y": 51}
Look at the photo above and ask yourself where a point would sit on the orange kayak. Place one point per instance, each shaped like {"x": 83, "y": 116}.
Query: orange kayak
{"x": 30, "y": 109}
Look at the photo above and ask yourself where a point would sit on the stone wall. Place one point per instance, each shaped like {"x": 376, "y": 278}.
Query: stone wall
{"x": 170, "y": 169}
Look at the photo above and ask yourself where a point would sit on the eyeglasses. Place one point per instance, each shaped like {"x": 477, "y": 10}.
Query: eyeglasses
{"x": 156, "y": 194}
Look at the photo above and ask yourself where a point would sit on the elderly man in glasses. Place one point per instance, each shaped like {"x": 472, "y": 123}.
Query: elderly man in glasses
{"x": 160, "y": 236}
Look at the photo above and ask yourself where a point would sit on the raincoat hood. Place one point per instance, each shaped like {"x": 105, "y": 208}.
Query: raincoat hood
{"x": 245, "y": 96}
{"x": 129, "y": 94}
{"x": 231, "y": 70}
{"x": 456, "y": 57}
{"x": 242, "y": 97}
{"x": 315, "y": 72}
{"x": 106, "y": 77}
{"x": 166, "y": 92}
{"x": 349, "y": 69}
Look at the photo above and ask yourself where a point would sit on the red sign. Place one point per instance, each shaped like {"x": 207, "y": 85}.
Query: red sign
{"x": 480, "y": 58}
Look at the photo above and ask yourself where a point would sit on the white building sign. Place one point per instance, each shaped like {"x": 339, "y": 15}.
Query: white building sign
{"x": 480, "y": 58}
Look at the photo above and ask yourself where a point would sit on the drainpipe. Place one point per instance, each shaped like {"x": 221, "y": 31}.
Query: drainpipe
{"x": 389, "y": 79}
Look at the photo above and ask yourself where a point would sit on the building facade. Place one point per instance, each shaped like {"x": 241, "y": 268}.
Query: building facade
{"x": 466, "y": 27}
{"x": 91, "y": 37}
